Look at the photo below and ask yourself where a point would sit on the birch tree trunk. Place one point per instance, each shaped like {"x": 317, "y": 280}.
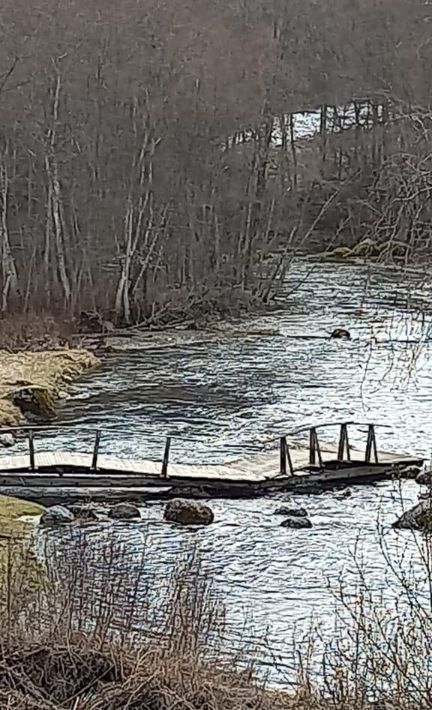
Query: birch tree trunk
{"x": 8, "y": 266}
{"x": 55, "y": 197}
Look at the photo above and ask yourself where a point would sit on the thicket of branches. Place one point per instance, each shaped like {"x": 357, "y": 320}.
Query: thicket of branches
{"x": 90, "y": 625}
{"x": 123, "y": 186}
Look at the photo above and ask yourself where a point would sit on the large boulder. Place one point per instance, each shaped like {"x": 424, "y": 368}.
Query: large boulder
{"x": 417, "y": 518}
{"x": 188, "y": 512}
{"x": 35, "y": 402}
{"x": 293, "y": 511}
{"x": 296, "y": 522}
{"x": 124, "y": 511}
{"x": 57, "y": 515}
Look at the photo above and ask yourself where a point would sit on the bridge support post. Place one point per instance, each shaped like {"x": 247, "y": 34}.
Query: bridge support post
{"x": 371, "y": 446}
{"x": 165, "y": 460}
{"x": 31, "y": 450}
{"x": 96, "y": 450}
{"x": 283, "y": 456}
{"x": 344, "y": 444}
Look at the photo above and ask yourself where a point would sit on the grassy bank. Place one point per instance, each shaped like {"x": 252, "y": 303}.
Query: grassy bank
{"x": 31, "y": 383}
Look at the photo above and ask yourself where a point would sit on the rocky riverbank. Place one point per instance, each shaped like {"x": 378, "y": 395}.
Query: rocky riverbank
{"x": 32, "y": 383}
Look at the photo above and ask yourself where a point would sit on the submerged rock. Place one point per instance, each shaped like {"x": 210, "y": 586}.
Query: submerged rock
{"x": 87, "y": 511}
{"x": 291, "y": 511}
{"x": 417, "y": 518}
{"x": 346, "y": 493}
{"x": 296, "y": 522}
{"x": 124, "y": 511}
{"x": 189, "y": 492}
{"x": 57, "y": 515}
{"x": 309, "y": 489}
{"x": 188, "y": 512}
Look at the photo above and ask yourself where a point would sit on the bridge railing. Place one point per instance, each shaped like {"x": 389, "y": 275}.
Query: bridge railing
{"x": 286, "y": 466}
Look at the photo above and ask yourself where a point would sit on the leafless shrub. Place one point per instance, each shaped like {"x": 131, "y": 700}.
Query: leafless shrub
{"x": 139, "y": 172}
{"x": 100, "y": 633}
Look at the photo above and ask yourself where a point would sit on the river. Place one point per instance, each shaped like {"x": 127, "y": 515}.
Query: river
{"x": 221, "y": 398}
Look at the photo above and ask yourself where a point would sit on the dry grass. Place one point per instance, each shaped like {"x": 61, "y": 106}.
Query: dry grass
{"x": 34, "y": 331}
{"x": 46, "y": 374}
{"x": 91, "y": 638}
{"x": 101, "y": 633}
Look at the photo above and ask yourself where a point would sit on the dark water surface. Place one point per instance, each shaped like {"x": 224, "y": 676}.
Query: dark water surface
{"x": 221, "y": 399}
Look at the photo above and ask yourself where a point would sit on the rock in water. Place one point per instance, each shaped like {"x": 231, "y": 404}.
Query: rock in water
{"x": 124, "y": 511}
{"x": 57, "y": 515}
{"x": 417, "y": 518}
{"x": 188, "y": 512}
{"x": 410, "y": 472}
{"x": 341, "y": 333}
{"x": 7, "y": 440}
{"x": 425, "y": 495}
{"x": 291, "y": 512}
{"x": 424, "y": 478}
{"x": 296, "y": 523}
{"x": 35, "y": 402}
{"x": 87, "y": 511}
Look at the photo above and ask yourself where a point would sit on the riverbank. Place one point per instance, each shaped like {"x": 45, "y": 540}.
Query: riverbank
{"x": 32, "y": 383}
{"x": 109, "y": 641}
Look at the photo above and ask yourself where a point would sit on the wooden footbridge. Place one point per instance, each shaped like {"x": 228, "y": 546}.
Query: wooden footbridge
{"x": 291, "y": 465}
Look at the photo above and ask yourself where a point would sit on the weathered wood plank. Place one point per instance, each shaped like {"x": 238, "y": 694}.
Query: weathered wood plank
{"x": 255, "y": 468}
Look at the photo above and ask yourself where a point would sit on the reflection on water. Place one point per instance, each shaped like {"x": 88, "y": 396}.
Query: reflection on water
{"x": 221, "y": 398}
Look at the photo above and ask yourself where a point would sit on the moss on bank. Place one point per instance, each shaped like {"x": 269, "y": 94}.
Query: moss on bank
{"x": 18, "y": 561}
{"x": 13, "y": 509}
{"x": 32, "y": 382}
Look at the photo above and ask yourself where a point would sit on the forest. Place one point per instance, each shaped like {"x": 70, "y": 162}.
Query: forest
{"x": 150, "y": 166}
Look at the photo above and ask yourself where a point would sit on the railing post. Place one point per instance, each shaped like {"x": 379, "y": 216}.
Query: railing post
{"x": 289, "y": 459}
{"x": 369, "y": 444}
{"x": 374, "y": 444}
{"x": 318, "y": 449}
{"x": 31, "y": 450}
{"x": 166, "y": 457}
{"x": 341, "y": 445}
{"x": 344, "y": 443}
{"x": 283, "y": 456}
{"x": 312, "y": 447}
{"x": 96, "y": 450}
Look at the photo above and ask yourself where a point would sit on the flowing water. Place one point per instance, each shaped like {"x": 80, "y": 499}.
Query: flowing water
{"x": 224, "y": 397}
